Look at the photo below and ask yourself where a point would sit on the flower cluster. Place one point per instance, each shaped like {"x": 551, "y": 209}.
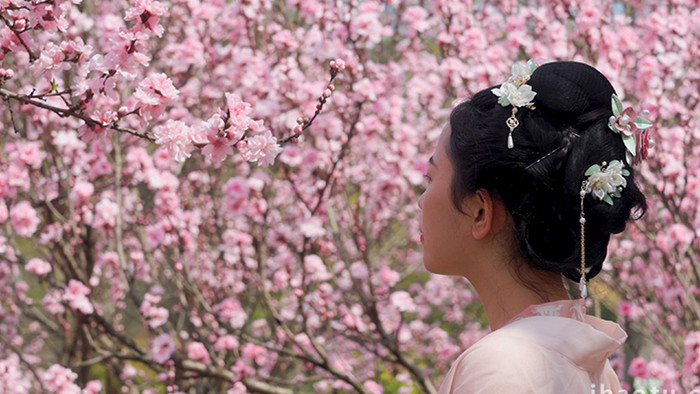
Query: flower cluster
{"x": 606, "y": 181}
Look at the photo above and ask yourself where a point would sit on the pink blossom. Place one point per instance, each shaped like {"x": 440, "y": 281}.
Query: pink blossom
{"x": 230, "y": 311}
{"x": 153, "y": 94}
{"x": 58, "y": 379}
{"x": 387, "y": 276}
{"x": 638, "y": 368}
{"x": 38, "y": 267}
{"x": 99, "y": 168}
{"x": 82, "y": 191}
{"x": 155, "y": 235}
{"x": 197, "y": 352}
{"x": 147, "y": 12}
{"x": 238, "y": 111}
{"x": 76, "y": 294}
{"x": 312, "y": 228}
{"x": 13, "y": 376}
{"x": 680, "y": 235}
{"x": 316, "y": 268}
{"x": 91, "y": 132}
{"x": 29, "y": 154}
{"x": 359, "y": 270}
{"x": 236, "y": 193}
{"x": 24, "y": 219}
{"x": 291, "y": 155}
{"x": 367, "y": 25}
{"x": 52, "y": 302}
{"x": 7, "y": 189}
{"x": 227, "y": 342}
{"x": 162, "y": 348}
{"x": 176, "y": 137}
{"x": 236, "y": 188}
{"x": 218, "y": 148}
{"x": 338, "y": 64}
{"x": 106, "y": 212}
{"x": 403, "y": 301}
{"x": 254, "y": 353}
{"x": 51, "y": 60}
{"x": 126, "y": 53}
{"x": 691, "y": 359}
{"x": 416, "y": 17}
{"x": 93, "y": 387}
{"x": 373, "y": 387}
{"x": 588, "y": 16}
{"x": 262, "y": 148}
{"x": 156, "y": 316}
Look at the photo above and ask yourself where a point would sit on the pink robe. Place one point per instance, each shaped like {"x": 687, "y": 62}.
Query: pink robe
{"x": 551, "y": 348}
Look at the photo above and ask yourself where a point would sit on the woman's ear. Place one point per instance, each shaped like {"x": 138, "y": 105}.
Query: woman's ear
{"x": 484, "y": 218}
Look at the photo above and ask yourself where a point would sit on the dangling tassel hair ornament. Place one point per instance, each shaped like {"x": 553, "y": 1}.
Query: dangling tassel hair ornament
{"x": 604, "y": 182}
{"x": 583, "y": 289}
{"x": 517, "y": 93}
{"x": 512, "y": 123}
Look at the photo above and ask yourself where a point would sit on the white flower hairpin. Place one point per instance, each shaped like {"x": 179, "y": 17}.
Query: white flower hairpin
{"x": 516, "y": 92}
{"x": 604, "y": 182}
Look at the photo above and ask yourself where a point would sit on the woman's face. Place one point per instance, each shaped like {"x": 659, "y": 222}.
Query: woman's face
{"x": 443, "y": 228}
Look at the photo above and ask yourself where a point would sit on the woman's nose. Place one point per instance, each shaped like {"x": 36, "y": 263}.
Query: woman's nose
{"x": 420, "y": 201}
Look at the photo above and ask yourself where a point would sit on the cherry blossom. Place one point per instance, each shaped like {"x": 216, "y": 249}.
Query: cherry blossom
{"x": 211, "y": 195}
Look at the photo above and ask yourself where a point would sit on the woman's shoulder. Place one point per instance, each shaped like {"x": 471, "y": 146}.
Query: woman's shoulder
{"x": 535, "y": 354}
{"x": 520, "y": 342}
{"x": 511, "y": 359}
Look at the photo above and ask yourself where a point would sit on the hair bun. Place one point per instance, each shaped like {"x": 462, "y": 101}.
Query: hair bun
{"x": 570, "y": 88}
{"x": 540, "y": 180}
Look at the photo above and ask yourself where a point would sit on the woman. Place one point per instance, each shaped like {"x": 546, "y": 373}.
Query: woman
{"x": 526, "y": 185}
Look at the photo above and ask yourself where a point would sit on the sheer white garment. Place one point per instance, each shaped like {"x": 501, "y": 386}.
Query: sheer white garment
{"x": 551, "y": 348}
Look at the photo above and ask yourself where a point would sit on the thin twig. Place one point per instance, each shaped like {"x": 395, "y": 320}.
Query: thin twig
{"x": 69, "y": 112}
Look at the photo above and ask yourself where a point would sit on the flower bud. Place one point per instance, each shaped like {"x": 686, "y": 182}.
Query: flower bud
{"x": 338, "y": 64}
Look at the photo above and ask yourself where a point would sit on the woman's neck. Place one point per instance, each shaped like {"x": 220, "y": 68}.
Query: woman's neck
{"x": 504, "y": 296}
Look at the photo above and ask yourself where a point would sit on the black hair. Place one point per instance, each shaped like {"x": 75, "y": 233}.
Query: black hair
{"x": 540, "y": 178}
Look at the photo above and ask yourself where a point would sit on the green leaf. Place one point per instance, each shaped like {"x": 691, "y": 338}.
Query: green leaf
{"x": 592, "y": 170}
{"x": 531, "y": 63}
{"x": 630, "y": 144}
{"x": 625, "y": 173}
{"x": 616, "y": 105}
{"x": 617, "y": 194}
{"x": 642, "y": 123}
{"x": 503, "y": 100}
{"x": 608, "y": 199}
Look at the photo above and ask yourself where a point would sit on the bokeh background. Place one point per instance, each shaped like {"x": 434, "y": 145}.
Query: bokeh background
{"x": 194, "y": 198}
